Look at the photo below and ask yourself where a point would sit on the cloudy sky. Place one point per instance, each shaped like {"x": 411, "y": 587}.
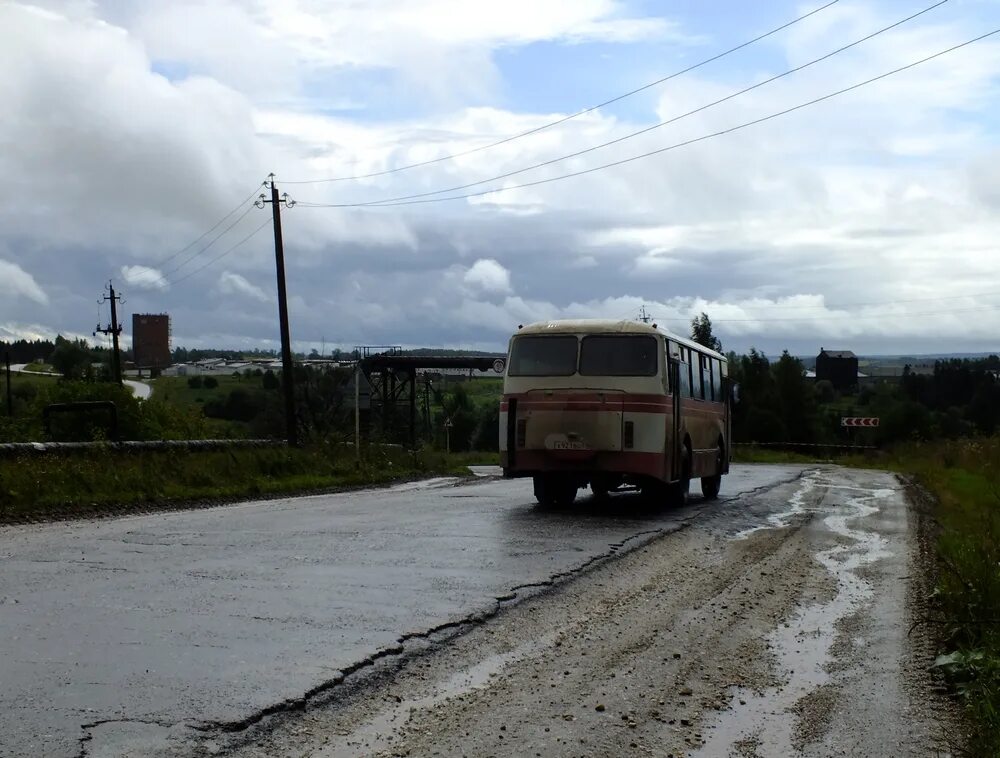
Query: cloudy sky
{"x": 867, "y": 221}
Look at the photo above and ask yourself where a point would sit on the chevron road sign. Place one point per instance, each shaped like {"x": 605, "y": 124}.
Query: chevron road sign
{"x": 859, "y": 421}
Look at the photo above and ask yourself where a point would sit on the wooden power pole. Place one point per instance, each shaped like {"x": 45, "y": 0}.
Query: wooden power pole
{"x": 287, "y": 369}
{"x": 114, "y": 329}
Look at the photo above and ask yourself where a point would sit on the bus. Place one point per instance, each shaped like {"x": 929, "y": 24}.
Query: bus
{"x": 613, "y": 404}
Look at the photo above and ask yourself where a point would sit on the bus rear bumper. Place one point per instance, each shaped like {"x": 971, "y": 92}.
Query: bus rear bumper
{"x": 613, "y": 462}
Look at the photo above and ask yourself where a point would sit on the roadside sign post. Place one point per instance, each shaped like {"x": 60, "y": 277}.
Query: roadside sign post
{"x": 850, "y": 423}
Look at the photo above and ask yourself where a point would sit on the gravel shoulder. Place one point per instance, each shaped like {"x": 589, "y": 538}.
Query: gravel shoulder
{"x": 776, "y": 625}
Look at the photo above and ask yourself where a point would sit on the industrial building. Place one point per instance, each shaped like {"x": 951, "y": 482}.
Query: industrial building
{"x": 839, "y": 367}
{"x": 151, "y": 340}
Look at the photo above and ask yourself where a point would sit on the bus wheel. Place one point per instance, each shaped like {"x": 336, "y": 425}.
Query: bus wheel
{"x": 603, "y": 484}
{"x": 710, "y": 485}
{"x": 679, "y": 489}
{"x": 554, "y": 490}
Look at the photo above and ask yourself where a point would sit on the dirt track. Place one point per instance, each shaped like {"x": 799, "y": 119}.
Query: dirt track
{"x": 775, "y": 625}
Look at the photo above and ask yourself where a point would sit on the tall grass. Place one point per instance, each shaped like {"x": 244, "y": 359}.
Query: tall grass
{"x": 96, "y": 481}
{"x": 965, "y": 478}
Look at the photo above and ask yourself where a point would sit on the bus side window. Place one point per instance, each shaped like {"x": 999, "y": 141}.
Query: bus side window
{"x": 694, "y": 378}
{"x": 667, "y": 351}
{"x": 717, "y": 380}
{"x": 684, "y": 375}
{"x": 706, "y": 377}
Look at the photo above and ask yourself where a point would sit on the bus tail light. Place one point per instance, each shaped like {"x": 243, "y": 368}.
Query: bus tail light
{"x": 629, "y": 435}
{"x": 522, "y": 431}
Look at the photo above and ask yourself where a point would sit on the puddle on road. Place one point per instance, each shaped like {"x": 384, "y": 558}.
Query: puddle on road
{"x": 802, "y": 644}
{"x": 486, "y": 471}
{"x": 425, "y": 484}
{"x": 379, "y": 733}
{"x": 796, "y": 505}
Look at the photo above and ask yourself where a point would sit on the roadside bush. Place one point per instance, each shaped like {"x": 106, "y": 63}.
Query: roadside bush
{"x": 269, "y": 380}
{"x": 764, "y": 425}
{"x": 487, "y": 434}
{"x": 210, "y": 383}
{"x": 194, "y": 382}
{"x": 239, "y": 405}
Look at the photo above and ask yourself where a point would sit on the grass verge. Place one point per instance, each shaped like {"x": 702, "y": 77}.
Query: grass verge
{"x": 56, "y": 486}
{"x": 964, "y": 477}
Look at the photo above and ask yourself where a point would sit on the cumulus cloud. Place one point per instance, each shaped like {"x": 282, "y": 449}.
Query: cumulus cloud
{"x": 16, "y": 282}
{"x": 488, "y": 275}
{"x": 144, "y": 277}
{"x": 883, "y": 199}
{"x": 235, "y": 284}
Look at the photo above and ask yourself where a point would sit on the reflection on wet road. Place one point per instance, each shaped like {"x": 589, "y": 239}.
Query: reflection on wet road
{"x": 142, "y": 625}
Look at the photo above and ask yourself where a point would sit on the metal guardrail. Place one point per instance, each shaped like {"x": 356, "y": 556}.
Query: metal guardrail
{"x": 12, "y": 449}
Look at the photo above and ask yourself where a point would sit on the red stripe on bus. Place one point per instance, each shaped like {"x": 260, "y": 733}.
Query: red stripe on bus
{"x": 593, "y": 397}
{"x": 617, "y": 402}
{"x": 528, "y": 462}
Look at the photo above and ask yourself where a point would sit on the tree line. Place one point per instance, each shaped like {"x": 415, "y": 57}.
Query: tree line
{"x": 779, "y": 403}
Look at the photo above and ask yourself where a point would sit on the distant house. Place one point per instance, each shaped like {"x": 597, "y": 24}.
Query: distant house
{"x": 839, "y": 367}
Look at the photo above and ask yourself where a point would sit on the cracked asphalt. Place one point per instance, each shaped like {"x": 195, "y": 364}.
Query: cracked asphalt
{"x": 176, "y": 632}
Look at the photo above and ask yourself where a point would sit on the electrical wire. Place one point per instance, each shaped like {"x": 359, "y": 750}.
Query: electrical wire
{"x": 564, "y": 119}
{"x": 844, "y": 306}
{"x": 658, "y": 151}
{"x": 887, "y": 314}
{"x": 632, "y": 135}
{"x": 219, "y": 223}
{"x": 223, "y": 254}
{"x": 215, "y": 239}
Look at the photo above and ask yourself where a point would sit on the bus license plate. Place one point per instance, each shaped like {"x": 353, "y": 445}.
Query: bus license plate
{"x": 568, "y": 445}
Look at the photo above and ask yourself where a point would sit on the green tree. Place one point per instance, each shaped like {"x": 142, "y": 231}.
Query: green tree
{"x": 701, "y": 332}
{"x": 71, "y": 358}
{"x": 270, "y": 381}
{"x": 459, "y": 409}
{"x": 796, "y": 399}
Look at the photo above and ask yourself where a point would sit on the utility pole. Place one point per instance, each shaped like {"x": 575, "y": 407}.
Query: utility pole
{"x": 10, "y": 397}
{"x": 643, "y": 316}
{"x": 286, "y": 343}
{"x": 114, "y": 329}
{"x": 357, "y": 412}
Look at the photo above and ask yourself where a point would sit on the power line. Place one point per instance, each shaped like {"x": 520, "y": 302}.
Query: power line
{"x": 215, "y": 239}
{"x": 219, "y": 223}
{"x": 852, "y": 317}
{"x": 632, "y": 135}
{"x": 675, "y": 146}
{"x": 843, "y": 306}
{"x": 564, "y": 119}
{"x": 221, "y": 255}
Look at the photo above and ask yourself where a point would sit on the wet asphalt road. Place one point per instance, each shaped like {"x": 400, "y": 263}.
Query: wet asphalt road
{"x": 149, "y": 624}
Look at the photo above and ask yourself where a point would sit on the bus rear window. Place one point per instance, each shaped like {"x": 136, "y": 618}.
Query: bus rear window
{"x": 543, "y": 356}
{"x": 618, "y": 355}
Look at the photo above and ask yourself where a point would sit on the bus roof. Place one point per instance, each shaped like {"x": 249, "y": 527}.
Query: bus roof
{"x": 608, "y": 326}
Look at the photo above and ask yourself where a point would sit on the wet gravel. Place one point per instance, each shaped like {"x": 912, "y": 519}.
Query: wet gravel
{"x": 718, "y": 639}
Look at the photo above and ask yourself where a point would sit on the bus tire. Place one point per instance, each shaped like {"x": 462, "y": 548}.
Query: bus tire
{"x": 679, "y": 489}
{"x": 554, "y": 491}
{"x": 710, "y": 485}
{"x": 602, "y": 485}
